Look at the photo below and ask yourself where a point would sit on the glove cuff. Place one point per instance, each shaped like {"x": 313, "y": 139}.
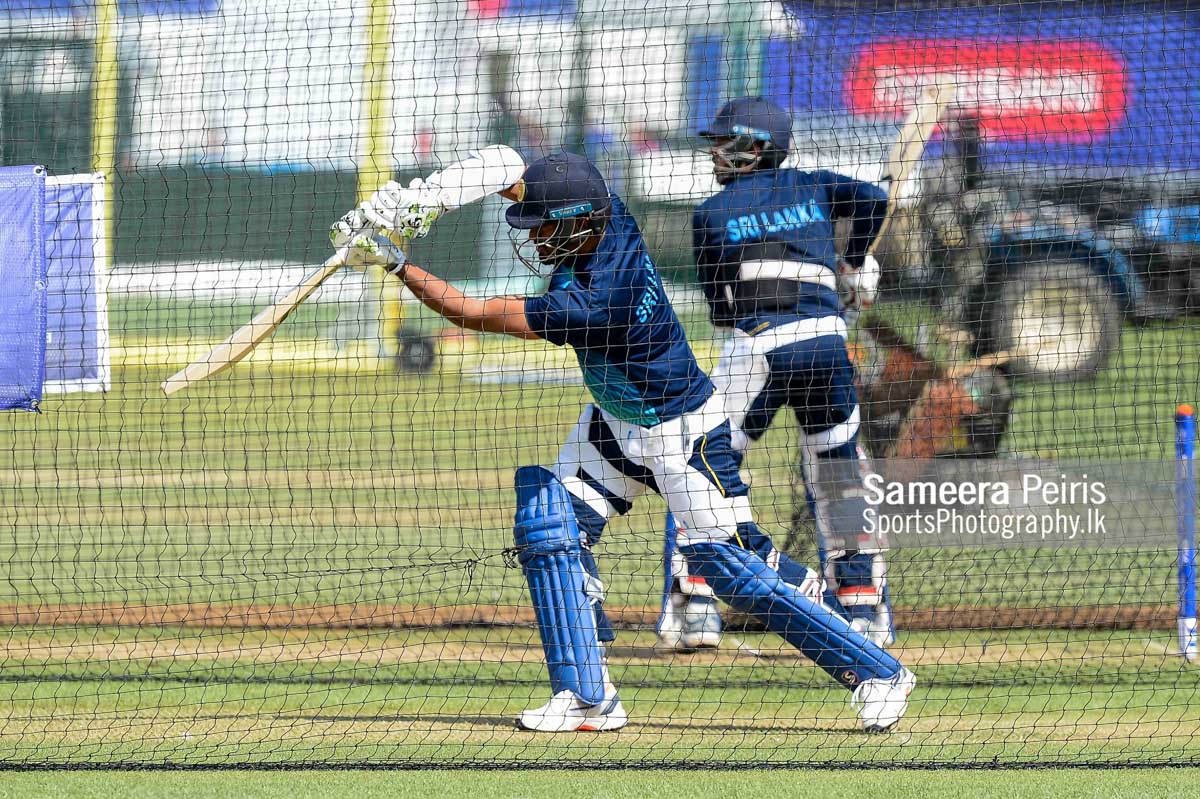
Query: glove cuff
{"x": 394, "y": 258}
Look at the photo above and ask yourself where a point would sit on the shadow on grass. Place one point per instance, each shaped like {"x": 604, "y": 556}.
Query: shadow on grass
{"x": 508, "y": 722}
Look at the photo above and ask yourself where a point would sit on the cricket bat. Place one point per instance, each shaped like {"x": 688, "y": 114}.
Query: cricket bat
{"x": 488, "y": 171}
{"x": 906, "y": 151}
{"x": 992, "y": 361}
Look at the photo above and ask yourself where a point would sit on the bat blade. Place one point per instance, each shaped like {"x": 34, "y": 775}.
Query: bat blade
{"x": 254, "y": 332}
{"x": 488, "y": 171}
{"x": 906, "y": 151}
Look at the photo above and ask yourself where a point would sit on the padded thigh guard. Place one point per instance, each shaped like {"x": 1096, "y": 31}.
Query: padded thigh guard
{"x": 549, "y": 549}
{"x": 747, "y": 583}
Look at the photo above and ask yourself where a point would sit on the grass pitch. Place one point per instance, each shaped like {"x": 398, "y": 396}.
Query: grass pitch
{"x": 996, "y": 784}
{"x": 312, "y": 483}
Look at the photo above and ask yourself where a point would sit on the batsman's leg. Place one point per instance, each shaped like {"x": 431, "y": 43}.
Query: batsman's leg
{"x": 550, "y": 550}
{"x": 591, "y": 481}
{"x": 689, "y": 618}
{"x": 853, "y": 561}
{"x": 704, "y": 494}
{"x": 825, "y": 402}
{"x": 881, "y": 685}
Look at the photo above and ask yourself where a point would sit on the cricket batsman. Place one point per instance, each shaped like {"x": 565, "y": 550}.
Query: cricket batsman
{"x": 768, "y": 264}
{"x": 655, "y": 424}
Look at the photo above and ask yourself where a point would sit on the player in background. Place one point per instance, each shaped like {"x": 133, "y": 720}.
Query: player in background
{"x": 655, "y": 424}
{"x": 768, "y": 264}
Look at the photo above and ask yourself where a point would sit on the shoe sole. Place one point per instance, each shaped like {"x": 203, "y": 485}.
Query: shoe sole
{"x": 608, "y": 725}
{"x": 705, "y": 641}
{"x": 604, "y": 725}
{"x": 526, "y": 728}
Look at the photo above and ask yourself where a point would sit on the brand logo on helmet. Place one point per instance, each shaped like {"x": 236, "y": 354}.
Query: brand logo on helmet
{"x": 743, "y": 130}
{"x": 571, "y": 210}
{"x": 849, "y": 678}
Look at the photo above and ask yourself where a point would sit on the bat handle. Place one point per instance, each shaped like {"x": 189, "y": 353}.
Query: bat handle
{"x": 339, "y": 258}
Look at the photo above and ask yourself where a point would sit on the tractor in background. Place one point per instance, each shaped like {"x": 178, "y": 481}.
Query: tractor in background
{"x": 1042, "y": 274}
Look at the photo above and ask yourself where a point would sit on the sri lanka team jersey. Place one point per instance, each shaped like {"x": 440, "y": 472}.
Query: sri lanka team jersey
{"x": 612, "y": 310}
{"x": 783, "y": 215}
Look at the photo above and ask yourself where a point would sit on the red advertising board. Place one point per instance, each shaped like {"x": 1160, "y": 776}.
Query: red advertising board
{"x": 1060, "y": 90}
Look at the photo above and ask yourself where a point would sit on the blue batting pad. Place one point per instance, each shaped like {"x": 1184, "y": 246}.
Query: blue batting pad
{"x": 604, "y": 628}
{"x": 23, "y": 289}
{"x": 747, "y": 583}
{"x": 790, "y": 570}
{"x": 548, "y": 547}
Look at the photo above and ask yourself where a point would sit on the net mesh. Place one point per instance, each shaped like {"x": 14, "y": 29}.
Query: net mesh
{"x": 309, "y": 559}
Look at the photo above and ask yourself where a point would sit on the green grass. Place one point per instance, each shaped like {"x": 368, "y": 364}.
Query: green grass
{"x": 997, "y": 784}
{"x": 287, "y": 485}
{"x": 186, "y": 697}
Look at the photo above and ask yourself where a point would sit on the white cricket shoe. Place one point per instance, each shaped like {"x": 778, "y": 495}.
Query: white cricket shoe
{"x": 881, "y": 702}
{"x": 565, "y": 713}
{"x": 701, "y": 624}
{"x": 689, "y": 623}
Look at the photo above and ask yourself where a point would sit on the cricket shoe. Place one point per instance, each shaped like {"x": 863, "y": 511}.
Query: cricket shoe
{"x": 688, "y": 624}
{"x": 881, "y": 702}
{"x": 565, "y": 713}
{"x": 670, "y": 625}
{"x": 701, "y": 624}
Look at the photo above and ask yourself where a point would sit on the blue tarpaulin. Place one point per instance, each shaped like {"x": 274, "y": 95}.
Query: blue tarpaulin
{"x": 23, "y": 281}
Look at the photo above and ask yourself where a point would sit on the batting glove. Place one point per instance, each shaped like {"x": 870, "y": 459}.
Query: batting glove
{"x": 367, "y": 246}
{"x": 859, "y": 287}
{"x": 408, "y": 212}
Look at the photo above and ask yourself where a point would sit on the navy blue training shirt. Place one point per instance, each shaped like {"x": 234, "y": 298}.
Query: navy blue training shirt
{"x": 784, "y": 215}
{"x": 614, "y": 313}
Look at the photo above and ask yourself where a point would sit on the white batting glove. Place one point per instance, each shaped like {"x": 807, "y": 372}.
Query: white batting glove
{"x": 408, "y": 212}
{"x": 859, "y": 287}
{"x": 368, "y": 247}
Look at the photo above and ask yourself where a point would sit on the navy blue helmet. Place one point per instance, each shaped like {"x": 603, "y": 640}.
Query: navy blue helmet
{"x": 566, "y": 190}
{"x": 748, "y": 133}
{"x": 559, "y": 186}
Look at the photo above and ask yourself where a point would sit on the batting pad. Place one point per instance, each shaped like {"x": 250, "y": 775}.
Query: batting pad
{"x": 548, "y": 547}
{"x": 746, "y": 582}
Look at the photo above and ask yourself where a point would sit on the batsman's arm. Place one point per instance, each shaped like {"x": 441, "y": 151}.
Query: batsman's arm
{"x": 493, "y": 315}
{"x": 865, "y": 205}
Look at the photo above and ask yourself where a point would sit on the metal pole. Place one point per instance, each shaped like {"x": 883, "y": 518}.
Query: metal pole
{"x": 104, "y": 108}
{"x": 375, "y": 161}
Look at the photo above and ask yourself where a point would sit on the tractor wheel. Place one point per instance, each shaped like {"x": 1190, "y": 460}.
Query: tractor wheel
{"x": 1059, "y": 319}
{"x": 417, "y": 354}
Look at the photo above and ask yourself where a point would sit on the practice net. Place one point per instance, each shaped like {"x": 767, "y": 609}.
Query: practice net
{"x": 309, "y": 558}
